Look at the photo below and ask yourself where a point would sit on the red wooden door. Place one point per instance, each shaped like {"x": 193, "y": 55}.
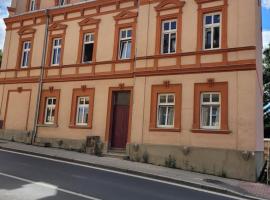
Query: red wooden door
{"x": 120, "y": 120}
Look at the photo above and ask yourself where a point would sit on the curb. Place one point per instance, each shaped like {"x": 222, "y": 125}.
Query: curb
{"x": 153, "y": 176}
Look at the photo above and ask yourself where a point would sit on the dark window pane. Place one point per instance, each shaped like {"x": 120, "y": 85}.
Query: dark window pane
{"x": 208, "y": 20}
{"x": 88, "y": 52}
{"x": 122, "y": 98}
{"x": 217, "y": 19}
{"x": 216, "y": 37}
{"x": 173, "y": 42}
{"x": 166, "y": 43}
{"x": 208, "y": 35}
{"x": 129, "y": 33}
{"x": 173, "y": 25}
{"x": 166, "y": 26}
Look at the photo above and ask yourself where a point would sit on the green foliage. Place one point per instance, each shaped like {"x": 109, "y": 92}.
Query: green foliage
{"x": 266, "y": 82}
{"x": 170, "y": 162}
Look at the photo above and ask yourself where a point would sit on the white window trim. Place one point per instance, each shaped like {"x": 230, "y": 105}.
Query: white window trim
{"x": 126, "y": 39}
{"x": 165, "y": 104}
{"x": 163, "y": 32}
{"x": 52, "y": 106}
{"x": 56, "y": 47}
{"x": 87, "y": 42}
{"x": 212, "y": 26}
{"x": 210, "y": 104}
{"x": 82, "y": 106}
{"x": 28, "y": 50}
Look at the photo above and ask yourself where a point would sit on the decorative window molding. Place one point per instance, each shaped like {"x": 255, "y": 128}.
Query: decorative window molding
{"x": 26, "y": 34}
{"x": 82, "y": 92}
{"x": 56, "y": 31}
{"x": 88, "y": 26}
{"x": 220, "y": 88}
{"x": 132, "y": 17}
{"x": 51, "y": 93}
{"x": 165, "y": 5}
{"x": 171, "y": 89}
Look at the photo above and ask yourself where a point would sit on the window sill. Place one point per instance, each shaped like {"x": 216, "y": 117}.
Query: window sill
{"x": 48, "y": 125}
{"x": 80, "y": 127}
{"x": 210, "y": 131}
{"x": 165, "y": 129}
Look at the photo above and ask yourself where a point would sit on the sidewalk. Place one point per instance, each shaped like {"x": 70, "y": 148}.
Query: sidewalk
{"x": 229, "y": 186}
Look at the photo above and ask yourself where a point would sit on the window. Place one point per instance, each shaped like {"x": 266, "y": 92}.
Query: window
{"x": 125, "y": 43}
{"x": 82, "y": 108}
{"x": 61, "y": 2}
{"x": 165, "y": 116}
{"x": 210, "y": 110}
{"x": 50, "y": 110}
{"x": 32, "y": 5}
{"x": 88, "y": 47}
{"x": 212, "y": 32}
{"x": 25, "y": 54}
{"x": 56, "y": 51}
{"x": 82, "y": 111}
{"x": 168, "y": 37}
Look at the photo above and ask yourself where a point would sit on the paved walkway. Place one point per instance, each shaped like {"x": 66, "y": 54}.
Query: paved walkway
{"x": 209, "y": 182}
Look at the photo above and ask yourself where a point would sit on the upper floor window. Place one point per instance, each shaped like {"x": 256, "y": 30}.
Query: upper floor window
{"x": 88, "y": 47}
{"x": 32, "y": 5}
{"x": 82, "y": 111}
{"x": 165, "y": 116}
{"x": 212, "y": 31}
{"x": 210, "y": 110}
{"x": 168, "y": 37}
{"x": 50, "y": 110}
{"x": 125, "y": 42}
{"x": 56, "y": 51}
{"x": 26, "y": 54}
{"x": 61, "y": 2}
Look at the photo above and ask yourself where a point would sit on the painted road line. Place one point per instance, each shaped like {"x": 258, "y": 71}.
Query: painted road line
{"x": 49, "y": 186}
{"x": 130, "y": 175}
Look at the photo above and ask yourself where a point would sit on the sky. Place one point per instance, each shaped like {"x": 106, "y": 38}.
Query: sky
{"x": 265, "y": 16}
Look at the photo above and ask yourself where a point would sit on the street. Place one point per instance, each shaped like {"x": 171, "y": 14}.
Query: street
{"x": 26, "y": 177}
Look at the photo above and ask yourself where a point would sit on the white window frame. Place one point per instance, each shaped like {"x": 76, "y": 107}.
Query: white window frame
{"x": 32, "y": 5}
{"x": 51, "y": 107}
{"x": 83, "y": 106}
{"x": 167, "y": 104}
{"x": 170, "y": 32}
{"x": 126, "y": 40}
{"x": 210, "y": 104}
{"x": 26, "y": 49}
{"x": 212, "y": 26}
{"x": 91, "y": 41}
{"x": 57, "y": 47}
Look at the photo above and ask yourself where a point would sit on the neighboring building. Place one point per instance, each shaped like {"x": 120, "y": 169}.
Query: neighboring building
{"x": 167, "y": 80}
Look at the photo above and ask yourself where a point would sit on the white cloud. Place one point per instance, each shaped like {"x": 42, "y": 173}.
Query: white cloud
{"x": 266, "y": 4}
{"x": 266, "y": 38}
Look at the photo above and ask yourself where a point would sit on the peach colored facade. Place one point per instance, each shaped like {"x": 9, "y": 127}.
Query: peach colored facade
{"x": 237, "y": 63}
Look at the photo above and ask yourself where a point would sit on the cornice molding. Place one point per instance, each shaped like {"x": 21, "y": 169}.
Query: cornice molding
{"x": 125, "y": 14}
{"x": 169, "y": 4}
{"x": 57, "y": 26}
{"x": 26, "y": 30}
{"x": 89, "y": 21}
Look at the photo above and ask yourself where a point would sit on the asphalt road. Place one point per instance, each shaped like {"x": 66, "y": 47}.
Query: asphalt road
{"x": 25, "y": 177}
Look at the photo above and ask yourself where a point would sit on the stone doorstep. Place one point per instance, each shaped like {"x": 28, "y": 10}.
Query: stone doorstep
{"x": 154, "y": 176}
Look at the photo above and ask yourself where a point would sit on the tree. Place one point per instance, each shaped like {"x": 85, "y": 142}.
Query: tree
{"x": 266, "y": 82}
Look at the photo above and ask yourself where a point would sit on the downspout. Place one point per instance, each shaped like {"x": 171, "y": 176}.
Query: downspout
{"x": 43, "y": 60}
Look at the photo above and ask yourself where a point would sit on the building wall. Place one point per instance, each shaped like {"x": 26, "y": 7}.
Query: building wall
{"x": 237, "y": 63}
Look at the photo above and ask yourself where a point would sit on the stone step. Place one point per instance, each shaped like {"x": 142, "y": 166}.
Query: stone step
{"x": 113, "y": 154}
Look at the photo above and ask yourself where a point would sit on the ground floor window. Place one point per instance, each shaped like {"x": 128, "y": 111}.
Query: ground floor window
{"x": 82, "y": 111}
{"x": 165, "y": 111}
{"x": 50, "y": 110}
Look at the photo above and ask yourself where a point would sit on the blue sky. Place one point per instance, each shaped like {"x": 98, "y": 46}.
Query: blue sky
{"x": 265, "y": 15}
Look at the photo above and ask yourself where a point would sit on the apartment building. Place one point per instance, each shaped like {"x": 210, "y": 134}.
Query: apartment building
{"x": 171, "y": 82}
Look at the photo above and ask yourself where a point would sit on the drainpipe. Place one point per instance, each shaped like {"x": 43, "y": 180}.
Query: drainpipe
{"x": 45, "y": 44}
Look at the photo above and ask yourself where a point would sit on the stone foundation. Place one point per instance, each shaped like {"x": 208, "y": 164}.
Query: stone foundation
{"x": 243, "y": 165}
{"x": 16, "y": 136}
